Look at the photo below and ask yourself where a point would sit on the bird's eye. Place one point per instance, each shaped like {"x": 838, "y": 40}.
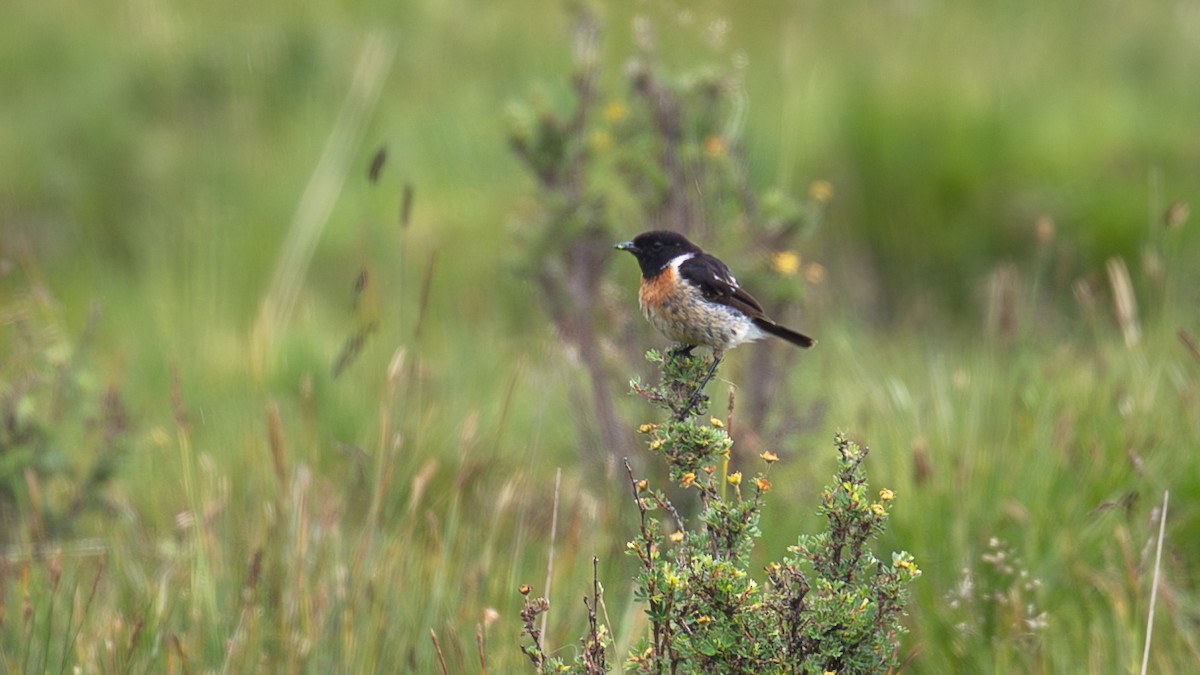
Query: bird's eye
{"x": 657, "y": 246}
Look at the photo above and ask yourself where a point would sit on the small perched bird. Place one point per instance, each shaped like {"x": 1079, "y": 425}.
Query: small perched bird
{"x": 692, "y": 298}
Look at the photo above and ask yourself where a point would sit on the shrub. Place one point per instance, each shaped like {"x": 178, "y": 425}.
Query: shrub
{"x": 829, "y": 605}
{"x": 62, "y": 435}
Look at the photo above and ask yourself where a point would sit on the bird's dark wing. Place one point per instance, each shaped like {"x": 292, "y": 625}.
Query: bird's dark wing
{"x": 716, "y": 283}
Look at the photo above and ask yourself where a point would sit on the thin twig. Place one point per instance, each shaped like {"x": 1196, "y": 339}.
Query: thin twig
{"x": 660, "y": 502}
{"x": 593, "y": 646}
{"x": 666, "y": 504}
{"x": 529, "y": 613}
{"x": 553, "y": 538}
{"x": 1162, "y": 530}
{"x": 633, "y": 485}
{"x": 648, "y": 394}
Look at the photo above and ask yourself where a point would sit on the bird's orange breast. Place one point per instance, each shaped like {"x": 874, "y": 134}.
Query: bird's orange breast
{"x": 679, "y": 311}
{"x": 657, "y": 291}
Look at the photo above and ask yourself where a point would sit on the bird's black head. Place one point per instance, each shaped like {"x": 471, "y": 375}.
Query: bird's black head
{"x": 655, "y": 249}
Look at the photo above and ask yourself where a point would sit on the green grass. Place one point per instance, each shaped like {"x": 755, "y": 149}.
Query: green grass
{"x": 157, "y": 158}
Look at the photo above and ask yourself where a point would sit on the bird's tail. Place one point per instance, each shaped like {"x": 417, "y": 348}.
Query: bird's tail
{"x": 798, "y": 339}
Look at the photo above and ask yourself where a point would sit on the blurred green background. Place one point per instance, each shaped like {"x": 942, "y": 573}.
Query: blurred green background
{"x": 159, "y": 158}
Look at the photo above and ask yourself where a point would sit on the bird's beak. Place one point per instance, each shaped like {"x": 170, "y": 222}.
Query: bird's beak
{"x": 626, "y": 246}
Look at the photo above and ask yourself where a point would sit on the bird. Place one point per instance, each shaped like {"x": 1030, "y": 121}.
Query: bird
{"x": 692, "y": 298}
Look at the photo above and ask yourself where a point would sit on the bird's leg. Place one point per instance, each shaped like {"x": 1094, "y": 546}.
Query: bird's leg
{"x": 700, "y": 389}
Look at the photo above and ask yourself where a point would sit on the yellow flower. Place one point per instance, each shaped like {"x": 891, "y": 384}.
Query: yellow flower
{"x": 656, "y": 444}
{"x": 714, "y": 146}
{"x": 642, "y": 485}
{"x": 708, "y": 469}
{"x": 735, "y": 478}
{"x": 704, "y": 620}
{"x": 878, "y": 509}
{"x": 821, "y": 191}
{"x": 908, "y": 566}
{"x": 786, "y": 263}
{"x": 764, "y": 485}
{"x": 671, "y": 578}
{"x": 688, "y": 479}
{"x": 677, "y": 536}
{"x": 887, "y": 495}
{"x": 769, "y": 457}
{"x": 716, "y": 423}
{"x": 647, "y": 428}
{"x": 814, "y": 273}
{"x": 615, "y": 111}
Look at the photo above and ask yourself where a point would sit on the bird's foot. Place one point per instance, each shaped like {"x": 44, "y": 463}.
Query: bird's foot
{"x": 682, "y": 415}
{"x": 695, "y": 398}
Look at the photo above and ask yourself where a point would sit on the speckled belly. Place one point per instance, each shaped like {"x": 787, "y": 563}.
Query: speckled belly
{"x": 689, "y": 319}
